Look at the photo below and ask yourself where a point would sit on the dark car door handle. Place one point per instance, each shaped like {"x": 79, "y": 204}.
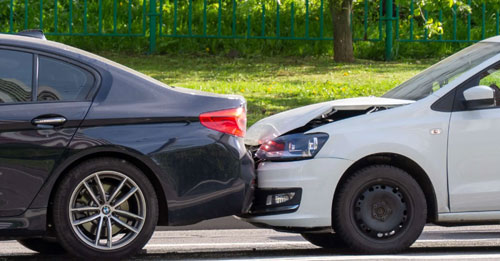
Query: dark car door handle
{"x": 51, "y": 121}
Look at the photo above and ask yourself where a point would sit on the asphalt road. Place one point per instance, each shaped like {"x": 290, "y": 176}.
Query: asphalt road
{"x": 436, "y": 243}
{"x": 217, "y": 223}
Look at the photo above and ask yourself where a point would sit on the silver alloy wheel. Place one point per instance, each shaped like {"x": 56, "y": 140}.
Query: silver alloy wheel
{"x": 107, "y": 210}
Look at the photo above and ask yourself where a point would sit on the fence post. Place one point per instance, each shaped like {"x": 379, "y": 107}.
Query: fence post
{"x": 152, "y": 26}
{"x": 388, "y": 30}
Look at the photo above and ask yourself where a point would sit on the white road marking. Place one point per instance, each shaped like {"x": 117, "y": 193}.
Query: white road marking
{"x": 437, "y": 243}
{"x": 455, "y": 240}
{"x": 381, "y": 257}
{"x": 222, "y": 245}
{"x": 284, "y": 243}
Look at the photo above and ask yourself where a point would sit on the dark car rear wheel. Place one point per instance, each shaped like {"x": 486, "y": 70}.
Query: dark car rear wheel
{"x": 105, "y": 208}
{"x": 43, "y": 246}
{"x": 379, "y": 209}
{"x": 324, "y": 240}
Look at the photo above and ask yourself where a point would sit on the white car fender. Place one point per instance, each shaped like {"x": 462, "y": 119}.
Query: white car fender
{"x": 413, "y": 131}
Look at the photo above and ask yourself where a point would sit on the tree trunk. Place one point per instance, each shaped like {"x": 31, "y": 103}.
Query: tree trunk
{"x": 342, "y": 43}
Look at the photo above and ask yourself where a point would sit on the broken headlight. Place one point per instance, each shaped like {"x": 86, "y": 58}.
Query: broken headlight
{"x": 292, "y": 147}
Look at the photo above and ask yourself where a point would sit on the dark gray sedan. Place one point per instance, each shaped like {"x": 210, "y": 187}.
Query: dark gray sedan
{"x": 94, "y": 155}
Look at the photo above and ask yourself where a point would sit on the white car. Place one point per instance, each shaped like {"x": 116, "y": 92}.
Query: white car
{"x": 371, "y": 172}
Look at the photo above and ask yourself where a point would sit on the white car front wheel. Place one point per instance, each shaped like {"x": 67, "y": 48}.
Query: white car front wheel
{"x": 379, "y": 209}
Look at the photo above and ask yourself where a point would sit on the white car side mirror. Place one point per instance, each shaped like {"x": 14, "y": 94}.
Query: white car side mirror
{"x": 479, "y": 97}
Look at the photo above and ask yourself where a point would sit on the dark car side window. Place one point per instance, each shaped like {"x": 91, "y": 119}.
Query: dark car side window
{"x": 62, "y": 81}
{"x": 16, "y": 76}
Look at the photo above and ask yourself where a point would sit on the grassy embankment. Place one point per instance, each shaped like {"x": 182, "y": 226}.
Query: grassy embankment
{"x": 274, "y": 84}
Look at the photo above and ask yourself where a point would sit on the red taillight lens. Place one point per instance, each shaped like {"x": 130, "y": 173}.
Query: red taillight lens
{"x": 230, "y": 121}
{"x": 272, "y": 146}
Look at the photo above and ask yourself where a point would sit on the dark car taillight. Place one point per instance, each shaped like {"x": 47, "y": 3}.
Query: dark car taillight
{"x": 230, "y": 121}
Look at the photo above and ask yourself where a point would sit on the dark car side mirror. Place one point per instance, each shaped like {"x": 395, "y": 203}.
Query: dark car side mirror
{"x": 479, "y": 97}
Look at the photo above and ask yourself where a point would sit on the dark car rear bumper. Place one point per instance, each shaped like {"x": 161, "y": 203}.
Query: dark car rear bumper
{"x": 248, "y": 174}
{"x": 222, "y": 197}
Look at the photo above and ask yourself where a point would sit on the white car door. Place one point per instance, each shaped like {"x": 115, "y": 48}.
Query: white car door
{"x": 474, "y": 149}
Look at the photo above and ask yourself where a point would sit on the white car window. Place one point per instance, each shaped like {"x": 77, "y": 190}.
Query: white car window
{"x": 440, "y": 74}
{"x": 491, "y": 77}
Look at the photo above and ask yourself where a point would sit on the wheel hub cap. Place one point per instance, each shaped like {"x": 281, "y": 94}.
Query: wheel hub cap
{"x": 380, "y": 211}
{"x": 106, "y": 210}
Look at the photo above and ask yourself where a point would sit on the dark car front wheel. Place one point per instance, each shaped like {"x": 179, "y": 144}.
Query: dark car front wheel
{"x": 105, "y": 208}
{"x": 379, "y": 209}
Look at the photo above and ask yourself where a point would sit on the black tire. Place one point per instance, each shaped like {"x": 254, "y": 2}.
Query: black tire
{"x": 43, "y": 246}
{"x": 72, "y": 237}
{"x": 379, "y": 209}
{"x": 324, "y": 240}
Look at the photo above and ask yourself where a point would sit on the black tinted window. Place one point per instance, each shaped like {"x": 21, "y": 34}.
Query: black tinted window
{"x": 16, "y": 74}
{"x": 61, "y": 81}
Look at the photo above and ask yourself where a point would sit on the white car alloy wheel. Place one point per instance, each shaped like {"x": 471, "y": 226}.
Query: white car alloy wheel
{"x": 112, "y": 217}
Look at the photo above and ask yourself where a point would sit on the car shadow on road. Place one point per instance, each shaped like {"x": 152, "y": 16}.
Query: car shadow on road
{"x": 275, "y": 253}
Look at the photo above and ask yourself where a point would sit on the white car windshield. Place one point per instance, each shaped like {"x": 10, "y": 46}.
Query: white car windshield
{"x": 440, "y": 74}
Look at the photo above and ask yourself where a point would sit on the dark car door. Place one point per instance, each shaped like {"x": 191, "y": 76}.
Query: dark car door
{"x": 42, "y": 102}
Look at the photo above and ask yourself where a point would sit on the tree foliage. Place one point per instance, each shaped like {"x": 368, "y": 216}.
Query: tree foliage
{"x": 431, "y": 24}
{"x": 434, "y": 26}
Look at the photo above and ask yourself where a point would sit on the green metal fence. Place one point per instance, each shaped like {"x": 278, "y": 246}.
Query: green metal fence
{"x": 270, "y": 24}
{"x": 483, "y": 22}
{"x": 310, "y": 20}
{"x": 75, "y": 17}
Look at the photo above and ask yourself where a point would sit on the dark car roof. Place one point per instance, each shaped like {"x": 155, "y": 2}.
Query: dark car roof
{"x": 67, "y": 51}
{"x": 88, "y": 58}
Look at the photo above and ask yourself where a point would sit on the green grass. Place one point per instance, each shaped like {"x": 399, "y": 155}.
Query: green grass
{"x": 274, "y": 84}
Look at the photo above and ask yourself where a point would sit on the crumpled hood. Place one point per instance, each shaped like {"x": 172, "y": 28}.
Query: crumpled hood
{"x": 280, "y": 123}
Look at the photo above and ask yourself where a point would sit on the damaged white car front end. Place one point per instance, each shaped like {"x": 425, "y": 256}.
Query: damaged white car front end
{"x": 315, "y": 115}
{"x": 285, "y": 146}
{"x": 372, "y": 171}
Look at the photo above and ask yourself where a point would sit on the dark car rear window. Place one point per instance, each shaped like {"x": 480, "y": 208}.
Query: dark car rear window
{"x": 62, "y": 81}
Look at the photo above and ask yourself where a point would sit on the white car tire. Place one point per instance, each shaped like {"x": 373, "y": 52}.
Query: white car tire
{"x": 379, "y": 209}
